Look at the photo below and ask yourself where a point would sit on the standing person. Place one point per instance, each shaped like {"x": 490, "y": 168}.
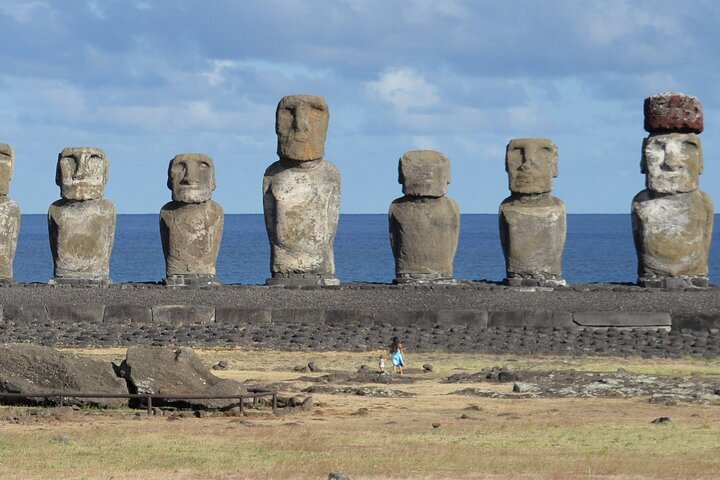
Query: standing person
{"x": 397, "y": 355}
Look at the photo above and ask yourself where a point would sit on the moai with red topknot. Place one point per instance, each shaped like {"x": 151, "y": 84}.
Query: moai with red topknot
{"x": 672, "y": 218}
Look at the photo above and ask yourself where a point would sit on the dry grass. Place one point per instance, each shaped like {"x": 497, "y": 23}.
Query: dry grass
{"x": 381, "y": 438}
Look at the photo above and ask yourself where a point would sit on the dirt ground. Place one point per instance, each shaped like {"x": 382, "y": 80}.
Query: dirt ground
{"x": 493, "y": 417}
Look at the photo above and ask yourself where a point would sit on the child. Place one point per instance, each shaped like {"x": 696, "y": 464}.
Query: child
{"x": 381, "y": 364}
{"x": 397, "y": 355}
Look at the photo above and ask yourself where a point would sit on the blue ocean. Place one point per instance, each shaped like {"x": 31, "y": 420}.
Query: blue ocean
{"x": 599, "y": 248}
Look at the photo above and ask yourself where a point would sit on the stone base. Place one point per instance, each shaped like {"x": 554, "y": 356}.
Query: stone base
{"x": 81, "y": 282}
{"x": 301, "y": 280}
{"x": 423, "y": 278}
{"x": 534, "y": 282}
{"x": 7, "y": 281}
{"x": 674, "y": 283}
{"x": 191, "y": 280}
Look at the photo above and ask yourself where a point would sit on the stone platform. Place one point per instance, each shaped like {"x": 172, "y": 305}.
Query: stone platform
{"x": 469, "y": 316}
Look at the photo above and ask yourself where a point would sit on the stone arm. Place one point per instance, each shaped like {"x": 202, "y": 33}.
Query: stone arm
{"x": 456, "y": 217}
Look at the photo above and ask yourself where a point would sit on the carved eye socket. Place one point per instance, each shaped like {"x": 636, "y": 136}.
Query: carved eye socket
{"x": 319, "y": 107}
{"x": 690, "y": 144}
{"x": 546, "y": 150}
{"x": 204, "y": 165}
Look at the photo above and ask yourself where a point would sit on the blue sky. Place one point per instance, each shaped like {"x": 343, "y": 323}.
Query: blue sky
{"x": 146, "y": 80}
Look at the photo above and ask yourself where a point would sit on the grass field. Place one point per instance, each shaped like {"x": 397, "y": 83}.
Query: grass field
{"x": 431, "y": 435}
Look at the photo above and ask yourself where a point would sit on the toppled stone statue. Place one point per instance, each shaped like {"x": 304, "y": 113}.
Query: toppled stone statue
{"x": 168, "y": 371}
{"x": 301, "y": 196}
{"x": 425, "y": 223}
{"x": 9, "y": 215}
{"x": 533, "y": 223}
{"x": 82, "y": 223}
{"x": 672, "y": 219}
{"x": 33, "y": 369}
{"x": 191, "y": 225}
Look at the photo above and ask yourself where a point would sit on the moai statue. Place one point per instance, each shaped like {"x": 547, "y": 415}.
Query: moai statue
{"x": 9, "y": 215}
{"x": 301, "y": 196}
{"x": 82, "y": 223}
{"x": 191, "y": 226}
{"x": 533, "y": 223}
{"x": 672, "y": 219}
{"x": 425, "y": 223}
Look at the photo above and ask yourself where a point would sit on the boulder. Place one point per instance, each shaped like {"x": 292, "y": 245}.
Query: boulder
{"x": 35, "y": 369}
{"x": 169, "y": 371}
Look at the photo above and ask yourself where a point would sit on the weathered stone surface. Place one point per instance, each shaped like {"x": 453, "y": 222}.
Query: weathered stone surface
{"x": 424, "y": 224}
{"x": 349, "y": 317}
{"x": 471, "y": 318}
{"x": 34, "y": 369}
{"x": 672, "y": 234}
{"x": 191, "y": 235}
{"x": 301, "y": 123}
{"x": 424, "y": 173}
{"x": 531, "y": 164}
{"x": 191, "y": 225}
{"x": 531, "y": 319}
{"x": 167, "y": 371}
{"x": 124, "y": 313}
{"x": 9, "y": 215}
{"x": 87, "y": 313}
{"x": 532, "y": 222}
{"x": 81, "y": 240}
{"x": 301, "y": 196}
{"x": 183, "y": 314}
{"x": 673, "y": 112}
{"x": 622, "y": 319}
{"x": 82, "y": 173}
{"x": 672, "y": 163}
{"x": 82, "y": 224}
{"x": 298, "y": 315}
{"x": 25, "y": 314}
{"x": 233, "y": 315}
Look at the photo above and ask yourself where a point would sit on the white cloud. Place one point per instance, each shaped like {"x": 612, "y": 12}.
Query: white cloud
{"x": 22, "y": 11}
{"x": 215, "y": 77}
{"x": 405, "y": 90}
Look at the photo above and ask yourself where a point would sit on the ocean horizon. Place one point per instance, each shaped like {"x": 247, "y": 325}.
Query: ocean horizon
{"x": 599, "y": 248}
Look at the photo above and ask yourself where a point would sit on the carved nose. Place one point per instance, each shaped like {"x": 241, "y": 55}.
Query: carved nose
{"x": 190, "y": 175}
{"x": 300, "y": 120}
{"x": 672, "y": 160}
{"x": 81, "y": 167}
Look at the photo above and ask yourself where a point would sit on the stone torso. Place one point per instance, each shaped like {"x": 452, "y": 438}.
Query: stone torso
{"x": 191, "y": 236}
{"x": 533, "y": 238}
{"x": 424, "y": 235}
{"x": 672, "y": 233}
{"x": 9, "y": 229}
{"x": 302, "y": 206}
{"x": 81, "y": 238}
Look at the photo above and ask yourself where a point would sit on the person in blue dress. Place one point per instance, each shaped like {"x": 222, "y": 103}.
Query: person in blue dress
{"x": 397, "y": 355}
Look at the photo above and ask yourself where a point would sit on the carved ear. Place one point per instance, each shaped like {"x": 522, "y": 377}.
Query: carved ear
{"x": 643, "y": 167}
{"x": 701, "y": 161}
{"x": 58, "y": 173}
{"x": 401, "y": 177}
{"x": 169, "y": 175}
{"x": 106, "y": 173}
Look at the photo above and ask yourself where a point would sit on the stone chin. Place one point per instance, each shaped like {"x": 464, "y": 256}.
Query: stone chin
{"x": 300, "y": 151}
{"x": 82, "y": 191}
{"x": 672, "y": 185}
{"x": 191, "y": 195}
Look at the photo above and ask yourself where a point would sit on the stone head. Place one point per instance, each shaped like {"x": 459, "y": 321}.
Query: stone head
{"x": 7, "y": 165}
{"x": 301, "y": 123}
{"x": 672, "y": 162}
{"x": 424, "y": 173}
{"x": 82, "y": 173}
{"x": 191, "y": 177}
{"x": 531, "y": 164}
